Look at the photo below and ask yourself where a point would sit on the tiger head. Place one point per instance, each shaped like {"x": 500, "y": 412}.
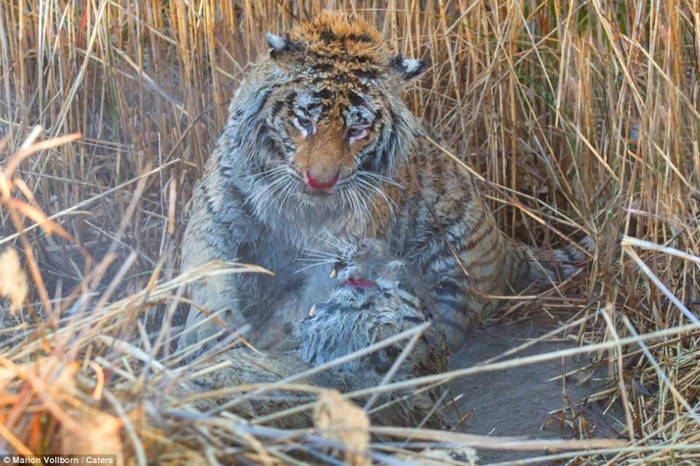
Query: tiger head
{"x": 328, "y": 100}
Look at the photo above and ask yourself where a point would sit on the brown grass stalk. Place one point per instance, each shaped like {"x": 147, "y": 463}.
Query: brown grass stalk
{"x": 577, "y": 118}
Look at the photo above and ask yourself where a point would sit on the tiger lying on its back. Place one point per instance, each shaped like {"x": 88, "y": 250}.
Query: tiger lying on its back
{"x": 320, "y": 147}
{"x": 375, "y": 297}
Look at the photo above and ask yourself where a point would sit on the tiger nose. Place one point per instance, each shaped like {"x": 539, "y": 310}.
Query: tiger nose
{"x": 322, "y": 183}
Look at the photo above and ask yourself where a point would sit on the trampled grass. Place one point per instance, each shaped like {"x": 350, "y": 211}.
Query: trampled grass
{"x": 583, "y": 117}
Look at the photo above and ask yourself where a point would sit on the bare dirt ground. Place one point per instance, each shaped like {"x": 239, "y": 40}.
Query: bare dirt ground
{"x": 517, "y": 402}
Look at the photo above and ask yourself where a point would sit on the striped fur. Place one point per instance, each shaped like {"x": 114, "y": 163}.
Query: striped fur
{"x": 351, "y": 319}
{"x": 392, "y": 299}
{"x": 326, "y": 104}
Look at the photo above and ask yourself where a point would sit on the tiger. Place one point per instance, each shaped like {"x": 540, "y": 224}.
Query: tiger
{"x": 321, "y": 147}
{"x": 375, "y": 297}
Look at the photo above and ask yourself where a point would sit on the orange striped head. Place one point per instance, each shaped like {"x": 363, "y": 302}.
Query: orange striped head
{"x": 334, "y": 112}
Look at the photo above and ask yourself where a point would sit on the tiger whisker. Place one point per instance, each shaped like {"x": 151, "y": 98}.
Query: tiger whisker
{"x": 261, "y": 191}
{"x": 376, "y": 188}
{"x": 365, "y": 204}
{"x": 329, "y": 238}
{"x": 314, "y": 265}
{"x": 322, "y": 254}
{"x": 280, "y": 189}
{"x": 369, "y": 189}
{"x": 379, "y": 177}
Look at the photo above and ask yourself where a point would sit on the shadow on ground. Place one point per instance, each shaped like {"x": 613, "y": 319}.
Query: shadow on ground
{"x": 517, "y": 402}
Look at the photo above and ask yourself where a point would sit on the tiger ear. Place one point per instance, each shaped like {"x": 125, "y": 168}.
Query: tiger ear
{"x": 279, "y": 45}
{"x": 408, "y": 68}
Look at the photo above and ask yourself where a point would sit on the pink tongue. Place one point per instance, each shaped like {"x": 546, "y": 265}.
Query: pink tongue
{"x": 360, "y": 283}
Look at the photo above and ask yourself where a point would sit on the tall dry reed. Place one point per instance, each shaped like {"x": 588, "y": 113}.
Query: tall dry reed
{"x": 582, "y": 115}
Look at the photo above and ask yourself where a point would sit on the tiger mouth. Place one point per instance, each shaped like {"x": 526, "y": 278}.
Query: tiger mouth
{"x": 314, "y": 184}
{"x": 361, "y": 283}
{"x": 318, "y": 193}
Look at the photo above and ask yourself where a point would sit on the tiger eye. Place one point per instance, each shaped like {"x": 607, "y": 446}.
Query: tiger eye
{"x": 304, "y": 121}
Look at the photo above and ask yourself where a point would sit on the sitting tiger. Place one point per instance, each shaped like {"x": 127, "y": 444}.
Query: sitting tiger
{"x": 375, "y": 297}
{"x": 319, "y": 148}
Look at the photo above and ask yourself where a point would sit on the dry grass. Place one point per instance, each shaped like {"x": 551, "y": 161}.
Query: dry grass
{"x": 582, "y": 116}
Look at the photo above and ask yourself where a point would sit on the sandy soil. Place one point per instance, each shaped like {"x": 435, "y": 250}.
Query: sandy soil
{"x": 517, "y": 401}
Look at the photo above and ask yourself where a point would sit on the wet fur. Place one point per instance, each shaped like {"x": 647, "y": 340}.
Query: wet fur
{"x": 350, "y": 320}
{"x": 251, "y": 203}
